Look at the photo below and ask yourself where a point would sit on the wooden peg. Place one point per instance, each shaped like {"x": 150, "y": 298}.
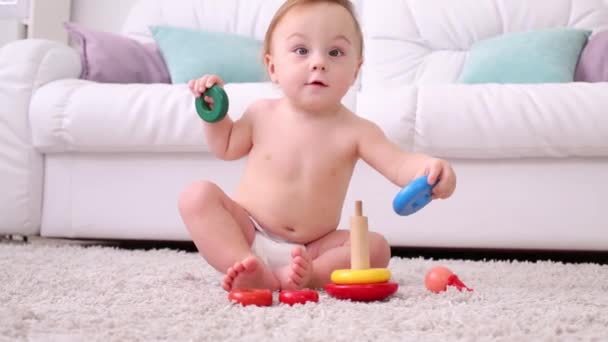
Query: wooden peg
{"x": 359, "y": 242}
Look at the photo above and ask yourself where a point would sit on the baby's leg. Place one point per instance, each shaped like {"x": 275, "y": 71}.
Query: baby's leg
{"x": 332, "y": 252}
{"x": 223, "y": 233}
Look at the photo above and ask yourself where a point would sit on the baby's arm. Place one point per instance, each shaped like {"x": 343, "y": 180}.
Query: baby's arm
{"x": 397, "y": 165}
{"x": 400, "y": 166}
{"x": 227, "y": 139}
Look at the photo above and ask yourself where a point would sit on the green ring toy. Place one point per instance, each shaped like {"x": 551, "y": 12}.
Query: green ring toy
{"x": 220, "y": 104}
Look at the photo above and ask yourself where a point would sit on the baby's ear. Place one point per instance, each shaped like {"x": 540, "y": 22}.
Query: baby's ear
{"x": 270, "y": 68}
{"x": 358, "y": 70}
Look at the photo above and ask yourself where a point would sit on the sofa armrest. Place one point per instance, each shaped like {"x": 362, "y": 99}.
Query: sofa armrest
{"x": 38, "y": 62}
{"x": 25, "y": 66}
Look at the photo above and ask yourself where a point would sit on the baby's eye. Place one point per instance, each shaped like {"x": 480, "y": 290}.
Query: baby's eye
{"x": 336, "y": 53}
{"x": 301, "y": 51}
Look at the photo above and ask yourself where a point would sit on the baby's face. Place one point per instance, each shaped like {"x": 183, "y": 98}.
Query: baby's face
{"x": 315, "y": 56}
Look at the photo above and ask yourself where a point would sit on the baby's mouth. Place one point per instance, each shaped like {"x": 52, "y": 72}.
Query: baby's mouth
{"x": 317, "y": 83}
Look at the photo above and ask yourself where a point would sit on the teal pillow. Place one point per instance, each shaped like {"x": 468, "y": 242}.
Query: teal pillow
{"x": 547, "y": 56}
{"x": 190, "y": 54}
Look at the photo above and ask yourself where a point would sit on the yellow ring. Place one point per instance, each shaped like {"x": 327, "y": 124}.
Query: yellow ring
{"x": 367, "y": 276}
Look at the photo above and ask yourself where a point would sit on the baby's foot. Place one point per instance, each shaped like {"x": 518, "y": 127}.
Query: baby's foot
{"x": 298, "y": 274}
{"x": 249, "y": 273}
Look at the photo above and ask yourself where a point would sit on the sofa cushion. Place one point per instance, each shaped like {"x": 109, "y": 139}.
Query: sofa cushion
{"x": 112, "y": 58}
{"x": 593, "y": 64}
{"x": 426, "y": 42}
{"x": 189, "y": 54}
{"x": 542, "y": 56}
{"x": 493, "y": 121}
{"x": 84, "y": 116}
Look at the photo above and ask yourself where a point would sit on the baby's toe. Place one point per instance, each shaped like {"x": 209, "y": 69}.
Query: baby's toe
{"x": 231, "y": 272}
{"x": 250, "y": 263}
{"x": 297, "y": 251}
{"x": 238, "y": 267}
{"x": 227, "y": 283}
{"x": 295, "y": 277}
{"x": 299, "y": 265}
{"x": 299, "y": 269}
{"x": 226, "y": 286}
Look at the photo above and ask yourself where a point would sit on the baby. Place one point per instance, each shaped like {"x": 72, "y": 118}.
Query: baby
{"x": 279, "y": 230}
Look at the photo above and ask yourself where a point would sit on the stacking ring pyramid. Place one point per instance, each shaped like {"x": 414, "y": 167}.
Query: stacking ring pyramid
{"x": 360, "y": 282}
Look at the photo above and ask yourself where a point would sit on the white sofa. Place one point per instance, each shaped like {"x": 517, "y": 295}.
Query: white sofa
{"x": 80, "y": 159}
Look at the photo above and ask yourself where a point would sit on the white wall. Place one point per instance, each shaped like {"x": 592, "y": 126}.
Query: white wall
{"x": 10, "y": 30}
{"x": 103, "y": 15}
{"x": 11, "y": 16}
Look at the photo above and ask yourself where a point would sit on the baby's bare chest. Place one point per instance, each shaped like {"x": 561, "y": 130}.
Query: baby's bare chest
{"x": 294, "y": 154}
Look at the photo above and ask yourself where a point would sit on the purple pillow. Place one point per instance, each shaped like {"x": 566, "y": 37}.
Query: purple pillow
{"x": 593, "y": 63}
{"x": 111, "y": 58}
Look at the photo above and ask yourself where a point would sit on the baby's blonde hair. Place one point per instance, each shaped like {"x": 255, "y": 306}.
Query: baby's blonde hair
{"x": 290, "y": 4}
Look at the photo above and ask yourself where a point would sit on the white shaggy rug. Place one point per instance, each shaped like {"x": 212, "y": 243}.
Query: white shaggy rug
{"x": 74, "y": 293}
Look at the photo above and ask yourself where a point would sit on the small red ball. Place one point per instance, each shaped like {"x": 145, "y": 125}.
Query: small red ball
{"x": 437, "y": 279}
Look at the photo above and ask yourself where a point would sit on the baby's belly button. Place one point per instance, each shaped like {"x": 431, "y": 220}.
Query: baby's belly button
{"x": 290, "y": 231}
{"x": 306, "y": 232}
{"x": 293, "y": 232}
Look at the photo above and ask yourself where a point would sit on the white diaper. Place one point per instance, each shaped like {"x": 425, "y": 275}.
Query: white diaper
{"x": 272, "y": 250}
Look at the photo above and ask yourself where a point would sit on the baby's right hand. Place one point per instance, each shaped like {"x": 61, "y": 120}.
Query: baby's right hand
{"x": 199, "y": 86}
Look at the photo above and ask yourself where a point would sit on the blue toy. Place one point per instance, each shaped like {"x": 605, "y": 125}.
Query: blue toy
{"x": 413, "y": 196}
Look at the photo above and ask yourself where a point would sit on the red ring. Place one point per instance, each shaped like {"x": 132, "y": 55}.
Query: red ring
{"x": 259, "y": 297}
{"x": 292, "y": 297}
{"x": 362, "y": 292}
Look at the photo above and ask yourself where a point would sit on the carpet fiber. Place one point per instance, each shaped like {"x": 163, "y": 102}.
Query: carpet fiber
{"x": 76, "y": 293}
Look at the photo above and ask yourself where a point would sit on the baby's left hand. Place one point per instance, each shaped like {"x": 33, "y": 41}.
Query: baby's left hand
{"x": 439, "y": 169}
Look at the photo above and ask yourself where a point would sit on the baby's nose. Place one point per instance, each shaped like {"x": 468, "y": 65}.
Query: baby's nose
{"x": 318, "y": 67}
{"x": 318, "y": 64}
